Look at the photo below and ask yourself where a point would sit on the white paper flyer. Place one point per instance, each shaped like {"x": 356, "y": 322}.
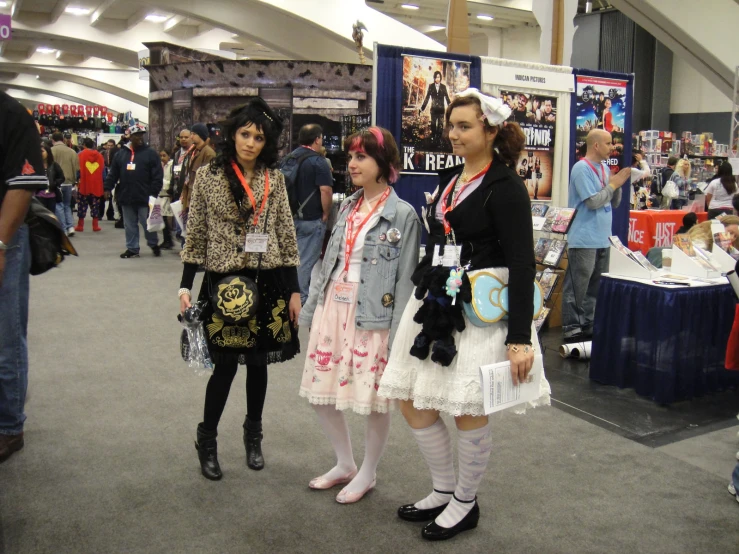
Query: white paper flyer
{"x": 497, "y": 386}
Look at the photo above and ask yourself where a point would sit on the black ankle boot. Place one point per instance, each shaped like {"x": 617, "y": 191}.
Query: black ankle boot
{"x": 207, "y": 447}
{"x": 253, "y": 444}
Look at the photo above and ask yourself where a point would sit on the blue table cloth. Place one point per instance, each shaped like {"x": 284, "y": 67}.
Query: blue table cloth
{"x": 667, "y": 344}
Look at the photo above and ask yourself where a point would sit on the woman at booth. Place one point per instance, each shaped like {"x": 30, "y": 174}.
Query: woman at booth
{"x": 478, "y": 218}
{"x": 241, "y": 230}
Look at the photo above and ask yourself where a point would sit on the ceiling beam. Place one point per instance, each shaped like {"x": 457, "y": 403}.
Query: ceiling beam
{"x": 45, "y": 91}
{"x": 76, "y": 45}
{"x": 136, "y": 18}
{"x": 58, "y": 10}
{"x": 75, "y": 77}
{"x": 15, "y": 8}
{"x": 173, "y": 22}
{"x": 96, "y": 17}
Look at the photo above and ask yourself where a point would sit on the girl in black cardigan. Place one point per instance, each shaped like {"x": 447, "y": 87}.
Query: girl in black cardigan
{"x": 483, "y": 208}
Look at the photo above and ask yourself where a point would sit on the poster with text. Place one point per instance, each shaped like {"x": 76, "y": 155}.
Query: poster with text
{"x": 601, "y": 104}
{"x": 537, "y": 116}
{"x": 429, "y": 86}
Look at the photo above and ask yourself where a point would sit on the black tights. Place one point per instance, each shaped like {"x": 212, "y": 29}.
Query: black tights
{"x": 219, "y": 386}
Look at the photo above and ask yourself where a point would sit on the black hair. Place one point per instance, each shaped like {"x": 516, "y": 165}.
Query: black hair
{"x": 49, "y": 155}
{"x": 258, "y": 113}
{"x": 735, "y": 202}
{"x": 437, "y": 73}
{"x": 726, "y": 174}
{"x": 57, "y": 137}
{"x": 689, "y": 220}
{"x": 88, "y": 143}
{"x": 110, "y": 140}
{"x": 309, "y": 133}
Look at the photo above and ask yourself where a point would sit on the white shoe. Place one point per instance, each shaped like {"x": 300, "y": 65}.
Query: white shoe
{"x": 732, "y": 490}
{"x": 70, "y": 232}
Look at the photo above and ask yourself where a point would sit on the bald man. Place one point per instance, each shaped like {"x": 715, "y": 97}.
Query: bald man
{"x": 594, "y": 192}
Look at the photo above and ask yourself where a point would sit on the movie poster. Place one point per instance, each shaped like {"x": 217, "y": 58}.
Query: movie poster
{"x": 601, "y": 104}
{"x": 429, "y": 86}
{"x": 537, "y": 116}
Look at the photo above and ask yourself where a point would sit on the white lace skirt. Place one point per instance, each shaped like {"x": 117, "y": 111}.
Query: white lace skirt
{"x": 455, "y": 389}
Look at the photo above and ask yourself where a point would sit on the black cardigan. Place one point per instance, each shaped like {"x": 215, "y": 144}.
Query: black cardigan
{"x": 493, "y": 225}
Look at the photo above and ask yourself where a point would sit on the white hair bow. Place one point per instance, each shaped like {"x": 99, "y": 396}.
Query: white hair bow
{"x": 494, "y": 111}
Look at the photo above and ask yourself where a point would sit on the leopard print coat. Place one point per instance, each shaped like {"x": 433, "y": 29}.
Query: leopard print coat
{"x": 216, "y": 230}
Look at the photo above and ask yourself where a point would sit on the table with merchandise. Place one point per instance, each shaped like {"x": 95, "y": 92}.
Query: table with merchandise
{"x": 668, "y": 342}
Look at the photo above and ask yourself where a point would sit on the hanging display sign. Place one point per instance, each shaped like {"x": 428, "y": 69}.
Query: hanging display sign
{"x": 144, "y": 60}
{"x": 521, "y": 77}
{"x": 6, "y": 27}
{"x": 537, "y": 116}
{"x": 429, "y": 86}
{"x": 601, "y": 104}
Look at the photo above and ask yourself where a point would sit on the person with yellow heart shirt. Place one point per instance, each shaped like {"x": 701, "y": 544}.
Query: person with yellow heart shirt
{"x": 91, "y": 190}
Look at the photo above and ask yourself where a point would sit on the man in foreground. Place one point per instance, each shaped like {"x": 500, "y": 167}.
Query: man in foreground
{"x": 21, "y": 174}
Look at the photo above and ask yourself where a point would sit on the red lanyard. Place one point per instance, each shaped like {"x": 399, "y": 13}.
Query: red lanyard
{"x": 183, "y": 156}
{"x": 455, "y": 199}
{"x": 132, "y": 156}
{"x": 351, "y": 238}
{"x": 249, "y": 192}
{"x": 603, "y": 178}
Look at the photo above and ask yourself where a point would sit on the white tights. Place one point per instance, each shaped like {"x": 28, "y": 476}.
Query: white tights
{"x": 334, "y": 425}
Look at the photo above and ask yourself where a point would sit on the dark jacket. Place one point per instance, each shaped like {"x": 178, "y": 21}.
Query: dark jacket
{"x": 135, "y": 186}
{"x": 55, "y": 175}
{"x": 493, "y": 225}
{"x": 437, "y": 98}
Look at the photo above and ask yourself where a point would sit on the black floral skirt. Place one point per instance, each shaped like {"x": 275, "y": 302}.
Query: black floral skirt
{"x": 268, "y": 337}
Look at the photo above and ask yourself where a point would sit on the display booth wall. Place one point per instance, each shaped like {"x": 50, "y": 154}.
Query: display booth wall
{"x": 548, "y": 141}
{"x": 616, "y": 84}
{"x": 299, "y": 91}
{"x": 389, "y": 107}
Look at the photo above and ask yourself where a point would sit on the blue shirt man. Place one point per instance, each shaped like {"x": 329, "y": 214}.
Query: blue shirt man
{"x": 594, "y": 192}
{"x": 315, "y": 191}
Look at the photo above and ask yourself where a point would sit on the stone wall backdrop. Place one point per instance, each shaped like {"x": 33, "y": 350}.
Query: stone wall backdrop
{"x": 206, "y": 91}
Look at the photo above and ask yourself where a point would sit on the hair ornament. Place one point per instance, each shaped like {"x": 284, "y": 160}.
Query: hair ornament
{"x": 493, "y": 109}
{"x": 268, "y": 117}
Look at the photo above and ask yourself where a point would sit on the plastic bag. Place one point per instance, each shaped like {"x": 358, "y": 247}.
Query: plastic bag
{"x": 179, "y": 216}
{"x": 193, "y": 346}
{"x": 155, "y": 221}
{"x": 670, "y": 190}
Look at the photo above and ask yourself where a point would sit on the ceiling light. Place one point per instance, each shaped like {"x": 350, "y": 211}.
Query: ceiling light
{"x": 485, "y": 17}
{"x": 434, "y": 28}
{"x": 409, "y": 6}
{"x": 77, "y": 11}
{"x": 154, "y": 18}
{"x": 45, "y": 50}
{"x": 3, "y": 4}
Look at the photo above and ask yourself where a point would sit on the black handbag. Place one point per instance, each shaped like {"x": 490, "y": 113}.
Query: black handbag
{"x": 49, "y": 242}
{"x": 235, "y": 298}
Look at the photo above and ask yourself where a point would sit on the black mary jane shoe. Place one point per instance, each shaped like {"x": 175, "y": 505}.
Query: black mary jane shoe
{"x": 434, "y": 532}
{"x": 409, "y": 512}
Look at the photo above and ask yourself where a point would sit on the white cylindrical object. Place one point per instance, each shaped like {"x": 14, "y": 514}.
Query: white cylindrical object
{"x": 577, "y": 350}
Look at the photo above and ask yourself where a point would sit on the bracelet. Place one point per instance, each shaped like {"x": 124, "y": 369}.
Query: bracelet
{"x": 183, "y": 291}
{"x": 526, "y": 348}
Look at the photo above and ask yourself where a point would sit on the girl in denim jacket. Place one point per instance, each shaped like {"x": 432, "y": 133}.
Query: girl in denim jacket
{"x": 354, "y": 307}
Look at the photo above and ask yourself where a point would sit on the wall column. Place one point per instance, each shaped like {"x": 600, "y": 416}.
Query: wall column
{"x": 458, "y": 28}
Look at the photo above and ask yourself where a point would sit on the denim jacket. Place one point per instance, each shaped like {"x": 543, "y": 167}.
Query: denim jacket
{"x": 386, "y": 267}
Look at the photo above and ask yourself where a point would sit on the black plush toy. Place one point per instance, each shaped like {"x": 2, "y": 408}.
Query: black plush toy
{"x": 439, "y": 316}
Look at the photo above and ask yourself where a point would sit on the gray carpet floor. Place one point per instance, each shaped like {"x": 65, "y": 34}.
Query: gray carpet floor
{"x": 109, "y": 464}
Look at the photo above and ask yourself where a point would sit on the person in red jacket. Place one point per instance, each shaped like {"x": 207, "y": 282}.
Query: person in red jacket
{"x": 91, "y": 190}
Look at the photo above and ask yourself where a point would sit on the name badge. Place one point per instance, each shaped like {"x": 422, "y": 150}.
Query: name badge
{"x": 130, "y": 167}
{"x": 343, "y": 292}
{"x": 451, "y": 257}
{"x": 177, "y": 169}
{"x": 256, "y": 242}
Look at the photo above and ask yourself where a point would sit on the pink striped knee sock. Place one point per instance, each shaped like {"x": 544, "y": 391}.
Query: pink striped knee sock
{"x": 436, "y": 447}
